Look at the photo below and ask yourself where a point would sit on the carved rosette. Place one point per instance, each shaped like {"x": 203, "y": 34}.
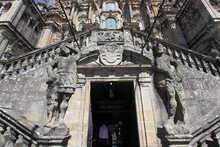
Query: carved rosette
{"x": 111, "y": 54}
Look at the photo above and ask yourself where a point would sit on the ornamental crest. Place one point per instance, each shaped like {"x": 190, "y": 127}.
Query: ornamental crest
{"x": 111, "y": 54}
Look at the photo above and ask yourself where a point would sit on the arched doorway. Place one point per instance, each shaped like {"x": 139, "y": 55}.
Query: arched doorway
{"x": 113, "y": 115}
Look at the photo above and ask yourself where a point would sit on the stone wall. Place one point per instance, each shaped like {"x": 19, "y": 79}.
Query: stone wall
{"x": 202, "y": 93}
{"x": 26, "y": 94}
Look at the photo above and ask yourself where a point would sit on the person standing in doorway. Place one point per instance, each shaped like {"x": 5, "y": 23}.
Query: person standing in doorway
{"x": 103, "y": 135}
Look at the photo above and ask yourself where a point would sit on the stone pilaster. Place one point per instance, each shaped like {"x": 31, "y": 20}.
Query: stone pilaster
{"x": 45, "y": 37}
{"x": 146, "y": 107}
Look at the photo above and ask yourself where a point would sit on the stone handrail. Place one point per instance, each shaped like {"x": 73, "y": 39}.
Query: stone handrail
{"x": 210, "y": 124}
{"x": 50, "y": 53}
{"x": 18, "y": 131}
{"x": 186, "y": 56}
{"x": 34, "y": 58}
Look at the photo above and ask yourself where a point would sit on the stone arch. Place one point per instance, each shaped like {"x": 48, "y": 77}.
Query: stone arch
{"x": 128, "y": 56}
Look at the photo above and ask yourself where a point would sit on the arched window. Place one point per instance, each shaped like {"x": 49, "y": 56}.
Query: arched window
{"x": 80, "y": 27}
{"x": 110, "y": 23}
{"x": 110, "y": 6}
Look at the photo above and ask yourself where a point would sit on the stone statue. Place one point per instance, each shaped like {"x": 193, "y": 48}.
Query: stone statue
{"x": 62, "y": 82}
{"x": 168, "y": 81}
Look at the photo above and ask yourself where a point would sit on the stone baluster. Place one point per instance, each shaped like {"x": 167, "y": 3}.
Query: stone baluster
{"x": 28, "y": 62}
{"x": 217, "y": 137}
{"x": 38, "y": 58}
{"x": 169, "y": 51}
{"x": 44, "y": 56}
{"x": 14, "y": 72}
{"x": 180, "y": 56}
{"x": 24, "y": 64}
{"x": 203, "y": 65}
{"x": 9, "y": 137}
{"x": 32, "y": 61}
{"x": 16, "y": 63}
{"x": 187, "y": 59}
{"x": 217, "y": 68}
{"x": 184, "y": 58}
{"x": 192, "y": 62}
{"x": 10, "y": 68}
{"x": 212, "y": 68}
{"x": 208, "y": 68}
{"x": 18, "y": 66}
{"x": 51, "y": 55}
{"x": 196, "y": 62}
{"x": 20, "y": 142}
{"x": 2, "y": 67}
{"x": 174, "y": 54}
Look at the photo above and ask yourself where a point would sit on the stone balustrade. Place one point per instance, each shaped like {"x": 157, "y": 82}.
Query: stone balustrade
{"x": 17, "y": 131}
{"x": 88, "y": 38}
{"x": 30, "y": 60}
{"x": 187, "y": 57}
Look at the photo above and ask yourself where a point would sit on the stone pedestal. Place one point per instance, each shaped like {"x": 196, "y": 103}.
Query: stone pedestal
{"x": 179, "y": 140}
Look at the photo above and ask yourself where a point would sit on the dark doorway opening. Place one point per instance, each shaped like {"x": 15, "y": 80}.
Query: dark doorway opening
{"x": 113, "y": 109}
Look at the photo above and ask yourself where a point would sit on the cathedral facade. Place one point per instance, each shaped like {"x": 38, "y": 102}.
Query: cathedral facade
{"x": 110, "y": 73}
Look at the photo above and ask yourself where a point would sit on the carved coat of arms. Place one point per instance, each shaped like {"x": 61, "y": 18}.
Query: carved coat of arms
{"x": 111, "y": 54}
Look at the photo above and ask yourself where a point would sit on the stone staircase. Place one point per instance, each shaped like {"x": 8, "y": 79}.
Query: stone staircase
{"x": 186, "y": 56}
{"x": 18, "y": 131}
{"x": 41, "y": 57}
{"x": 207, "y": 130}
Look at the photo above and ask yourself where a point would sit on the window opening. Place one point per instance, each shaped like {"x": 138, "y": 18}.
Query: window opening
{"x": 110, "y": 23}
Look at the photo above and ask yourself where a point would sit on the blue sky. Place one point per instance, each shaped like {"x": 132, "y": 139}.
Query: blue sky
{"x": 42, "y": 0}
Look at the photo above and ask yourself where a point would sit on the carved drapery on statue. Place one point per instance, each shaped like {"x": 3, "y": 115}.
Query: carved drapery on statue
{"x": 62, "y": 82}
{"x": 168, "y": 82}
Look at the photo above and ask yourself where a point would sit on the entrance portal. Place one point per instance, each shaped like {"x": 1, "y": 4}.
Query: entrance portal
{"x": 113, "y": 121}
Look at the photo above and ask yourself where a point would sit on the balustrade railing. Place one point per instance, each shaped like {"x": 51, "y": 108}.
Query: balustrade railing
{"x": 39, "y": 57}
{"x": 17, "y": 131}
{"x": 186, "y": 56}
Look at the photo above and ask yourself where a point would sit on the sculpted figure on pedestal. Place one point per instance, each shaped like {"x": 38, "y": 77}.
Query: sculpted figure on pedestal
{"x": 62, "y": 82}
{"x": 168, "y": 81}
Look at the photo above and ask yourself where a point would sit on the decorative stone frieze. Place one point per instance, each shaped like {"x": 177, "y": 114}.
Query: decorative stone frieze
{"x": 110, "y": 36}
